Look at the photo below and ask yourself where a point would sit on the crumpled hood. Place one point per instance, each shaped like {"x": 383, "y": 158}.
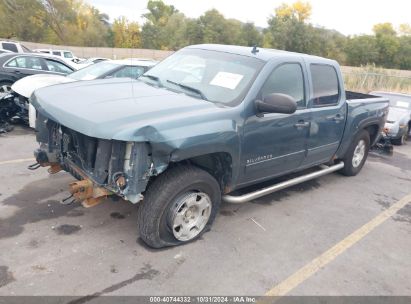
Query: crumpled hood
{"x": 122, "y": 109}
{"x": 27, "y": 85}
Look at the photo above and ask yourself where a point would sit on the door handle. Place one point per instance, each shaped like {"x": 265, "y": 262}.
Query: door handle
{"x": 336, "y": 118}
{"x": 302, "y": 124}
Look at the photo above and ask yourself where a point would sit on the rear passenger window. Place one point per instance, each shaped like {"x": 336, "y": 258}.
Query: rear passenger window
{"x": 286, "y": 79}
{"x": 26, "y": 62}
{"x": 325, "y": 85}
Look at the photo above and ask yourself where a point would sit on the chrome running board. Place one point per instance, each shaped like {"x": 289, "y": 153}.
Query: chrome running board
{"x": 277, "y": 187}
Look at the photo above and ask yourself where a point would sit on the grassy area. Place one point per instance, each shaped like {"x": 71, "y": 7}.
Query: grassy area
{"x": 371, "y": 78}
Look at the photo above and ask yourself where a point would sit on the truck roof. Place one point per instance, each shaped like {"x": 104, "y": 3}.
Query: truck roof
{"x": 262, "y": 54}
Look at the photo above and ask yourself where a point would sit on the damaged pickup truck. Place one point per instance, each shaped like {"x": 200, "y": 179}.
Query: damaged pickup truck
{"x": 203, "y": 123}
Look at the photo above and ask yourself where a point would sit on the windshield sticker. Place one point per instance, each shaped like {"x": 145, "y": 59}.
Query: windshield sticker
{"x": 226, "y": 80}
{"x": 402, "y": 104}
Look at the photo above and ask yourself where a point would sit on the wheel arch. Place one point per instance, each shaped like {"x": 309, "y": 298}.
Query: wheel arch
{"x": 373, "y": 131}
{"x": 217, "y": 164}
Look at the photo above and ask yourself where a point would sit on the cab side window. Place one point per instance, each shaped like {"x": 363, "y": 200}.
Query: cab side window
{"x": 286, "y": 79}
{"x": 325, "y": 85}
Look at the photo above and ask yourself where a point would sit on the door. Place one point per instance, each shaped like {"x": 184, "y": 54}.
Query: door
{"x": 328, "y": 114}
{"x": 276, "y": 143}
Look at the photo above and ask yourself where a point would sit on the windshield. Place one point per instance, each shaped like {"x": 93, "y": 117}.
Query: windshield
{"x": 68, "y": 55}
{"x": 210, "y": 75}
{"x": 94, "y": 71}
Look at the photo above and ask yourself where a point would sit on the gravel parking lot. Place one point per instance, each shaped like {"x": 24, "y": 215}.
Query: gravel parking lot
{"x": 281, "y": 241}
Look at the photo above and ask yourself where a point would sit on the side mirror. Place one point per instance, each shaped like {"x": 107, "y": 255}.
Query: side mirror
{"x": 277, "y": 103}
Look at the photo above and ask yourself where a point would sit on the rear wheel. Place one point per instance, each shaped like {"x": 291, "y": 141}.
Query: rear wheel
{"x": 179, "y": 206}
{"x": 357, "y": 154}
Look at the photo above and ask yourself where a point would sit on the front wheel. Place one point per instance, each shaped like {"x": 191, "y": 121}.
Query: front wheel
{"x": 179, "y": 206}
{"x": 357, "y": 154}
{"x": 401, "y": 141}
{"x": 5, "y": 87}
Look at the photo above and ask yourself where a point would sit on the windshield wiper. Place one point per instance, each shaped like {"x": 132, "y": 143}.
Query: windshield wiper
{"x": 152, "y": 77}
{"x": 188, "y": 88}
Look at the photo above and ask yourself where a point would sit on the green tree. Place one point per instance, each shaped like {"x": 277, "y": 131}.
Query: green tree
{"x": 362, "y": 50}
{"x": 405, "y": 29}
{"x": 299, "y": 10}
{"x": 250, "y": 35}
{"x": 159, "y": 12}
{"x": 387, "y": 44}
{"x": 22, "y": 19}
{"x": 154, "y": 31}
{"x": 126, "y": 34}
{"x": 289, "y": 29}
{"x": 213, "y": 27}
{"x": 54, "y": 21}
{"x": 403, "y": 56}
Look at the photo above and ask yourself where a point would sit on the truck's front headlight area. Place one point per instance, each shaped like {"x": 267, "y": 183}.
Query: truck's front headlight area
{"x": 127, "y": 156}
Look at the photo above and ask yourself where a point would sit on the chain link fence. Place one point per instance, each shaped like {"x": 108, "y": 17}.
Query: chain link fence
{"x": 366, "y": 79}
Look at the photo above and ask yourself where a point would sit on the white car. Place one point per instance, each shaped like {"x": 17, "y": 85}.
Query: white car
{"x": 105, "y": 69}
{"x": 2, "y": 51}
{"x": 14, "y": 47}
{"x": 398, "y": 124}
{"x": 92, "y": 60}
{"x": 65, "y": 54}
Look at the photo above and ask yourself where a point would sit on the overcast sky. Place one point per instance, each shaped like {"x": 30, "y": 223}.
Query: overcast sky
{"x": 346, "y": 16}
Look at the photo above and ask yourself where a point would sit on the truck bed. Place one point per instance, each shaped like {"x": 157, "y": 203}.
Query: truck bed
{"x": 363, "y": 109}
{"x": 350, "y": 95}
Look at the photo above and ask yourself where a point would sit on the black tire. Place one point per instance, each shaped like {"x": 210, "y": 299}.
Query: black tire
{"x": 401, "y": 141}
{"x": 349, "y": 169}
{"x": 160, "y": 199}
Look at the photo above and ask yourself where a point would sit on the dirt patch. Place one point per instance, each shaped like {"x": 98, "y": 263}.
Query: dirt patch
{"x": 113, "y": 269}
{"x": 385, "y": 201}
{"x": 227, "y": 212}
{"x": 75, "y": 213}
{"x": 67, "y": 229}
{"x": 38, "y": 268}
{"x": 280, "y": 195}
{"x": 6, "y": 276}
{"x": 399, "y": 160}
{"x": 33, "y": 205}
{"x": 403, "y": 215}
{"x": 117, "y": 215}
{"x": 33, "y": 244}
{"x": 145, "y": 273}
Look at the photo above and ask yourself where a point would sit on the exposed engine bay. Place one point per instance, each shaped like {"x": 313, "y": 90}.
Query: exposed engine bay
{"x": 104, "y": 167}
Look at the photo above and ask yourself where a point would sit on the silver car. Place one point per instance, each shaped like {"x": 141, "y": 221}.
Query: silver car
{"x": 398, "y": 123}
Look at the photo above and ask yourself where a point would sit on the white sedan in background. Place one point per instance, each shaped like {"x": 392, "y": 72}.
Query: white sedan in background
{"x": 105, "y": 69}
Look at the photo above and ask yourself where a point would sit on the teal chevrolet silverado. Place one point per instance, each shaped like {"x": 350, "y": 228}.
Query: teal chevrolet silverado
{"x": 203, "y": 123}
